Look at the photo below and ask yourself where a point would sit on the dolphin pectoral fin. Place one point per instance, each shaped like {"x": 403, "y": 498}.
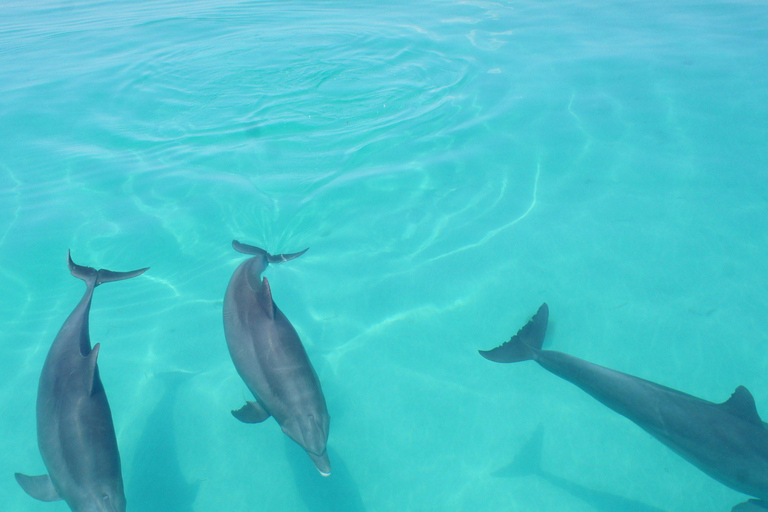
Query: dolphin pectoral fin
{"x": 742, "y": 404}
{"x": 89, "y": 376}
{"x": 265, "y": 299}
{"x": 39, "y": 487}
{"x": 751, "y": 506}
{"x": 251, "y": 412}
{"x": 523, "y": 345}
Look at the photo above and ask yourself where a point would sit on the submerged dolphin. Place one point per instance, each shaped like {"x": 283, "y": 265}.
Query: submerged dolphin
{"x": 270, "y": 358}
{"x": 727, "y": 441}
{"x": 74, "y": 424}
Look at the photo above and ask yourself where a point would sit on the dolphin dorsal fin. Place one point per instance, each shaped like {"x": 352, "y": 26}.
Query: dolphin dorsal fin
{"x": 90, "y": 375}
{"x": 265, "y": 299}
{"x": 742, "y": 404}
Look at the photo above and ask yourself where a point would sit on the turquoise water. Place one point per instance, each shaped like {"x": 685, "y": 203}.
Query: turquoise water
{"x": 451, "y": 165}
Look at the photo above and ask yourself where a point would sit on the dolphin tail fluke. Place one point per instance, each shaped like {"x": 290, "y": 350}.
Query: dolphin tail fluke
{"x": 523, "y": 345}
{"x": 257, "y": 251}
{"x": 39, "y": 487}
{"x": 97, "y": 277}
{"x": 528, "y": 459}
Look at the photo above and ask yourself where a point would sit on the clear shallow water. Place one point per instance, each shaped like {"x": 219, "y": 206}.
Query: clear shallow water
{"x": 451, "y": 166}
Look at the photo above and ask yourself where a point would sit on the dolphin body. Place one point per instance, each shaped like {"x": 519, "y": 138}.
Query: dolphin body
{"x": 727, "y": 441}
{"x": 74, "y": 423}
{"x": 270, "y": 358}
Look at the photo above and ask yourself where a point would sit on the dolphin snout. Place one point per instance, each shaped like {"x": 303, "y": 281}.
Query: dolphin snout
{"x": 104, "y": 503}
{"x": 322, "y": 463}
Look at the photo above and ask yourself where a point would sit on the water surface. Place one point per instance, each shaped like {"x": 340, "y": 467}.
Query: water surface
{"x": 451, "y": 165}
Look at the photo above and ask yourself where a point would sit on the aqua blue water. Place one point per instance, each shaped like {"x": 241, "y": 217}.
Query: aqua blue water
{"x": 451, "y": 165}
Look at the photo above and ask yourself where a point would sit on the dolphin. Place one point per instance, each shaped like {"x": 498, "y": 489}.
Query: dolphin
{"x": 74, "y": 423}
{"x": 270, "y": 358}
{"x": 727, "y": 441}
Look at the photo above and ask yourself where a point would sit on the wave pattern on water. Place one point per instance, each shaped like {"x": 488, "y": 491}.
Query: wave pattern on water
{"x": 450, "y": 165}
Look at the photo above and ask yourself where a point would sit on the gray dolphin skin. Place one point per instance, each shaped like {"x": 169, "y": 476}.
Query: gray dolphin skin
{"x": 270, "y": 358}
{"x": 74, "y": 423}
{"x": 727, "y": 441}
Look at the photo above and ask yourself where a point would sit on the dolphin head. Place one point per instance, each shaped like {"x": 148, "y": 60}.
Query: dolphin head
{"x": 312, "y": 434}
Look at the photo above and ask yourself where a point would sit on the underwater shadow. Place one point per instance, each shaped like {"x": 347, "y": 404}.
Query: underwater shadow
{"x": 528, "y": 462}
{"x": 335, "y": 493}
{"x": 752, "y": 505}
{"x": 156, "y": 481}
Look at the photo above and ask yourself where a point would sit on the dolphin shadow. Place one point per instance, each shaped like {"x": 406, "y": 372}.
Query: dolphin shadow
{"x": 752, "y": 505}
{"x": 528, "y": 462}
{"x": 335, "y": 493}
{"x": 157, "y": 482}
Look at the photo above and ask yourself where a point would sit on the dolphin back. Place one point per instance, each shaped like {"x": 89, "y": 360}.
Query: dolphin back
{"x": 94, "y": 277}
{"x": 523, "y": 345}
{"x": 258, "y": 251}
